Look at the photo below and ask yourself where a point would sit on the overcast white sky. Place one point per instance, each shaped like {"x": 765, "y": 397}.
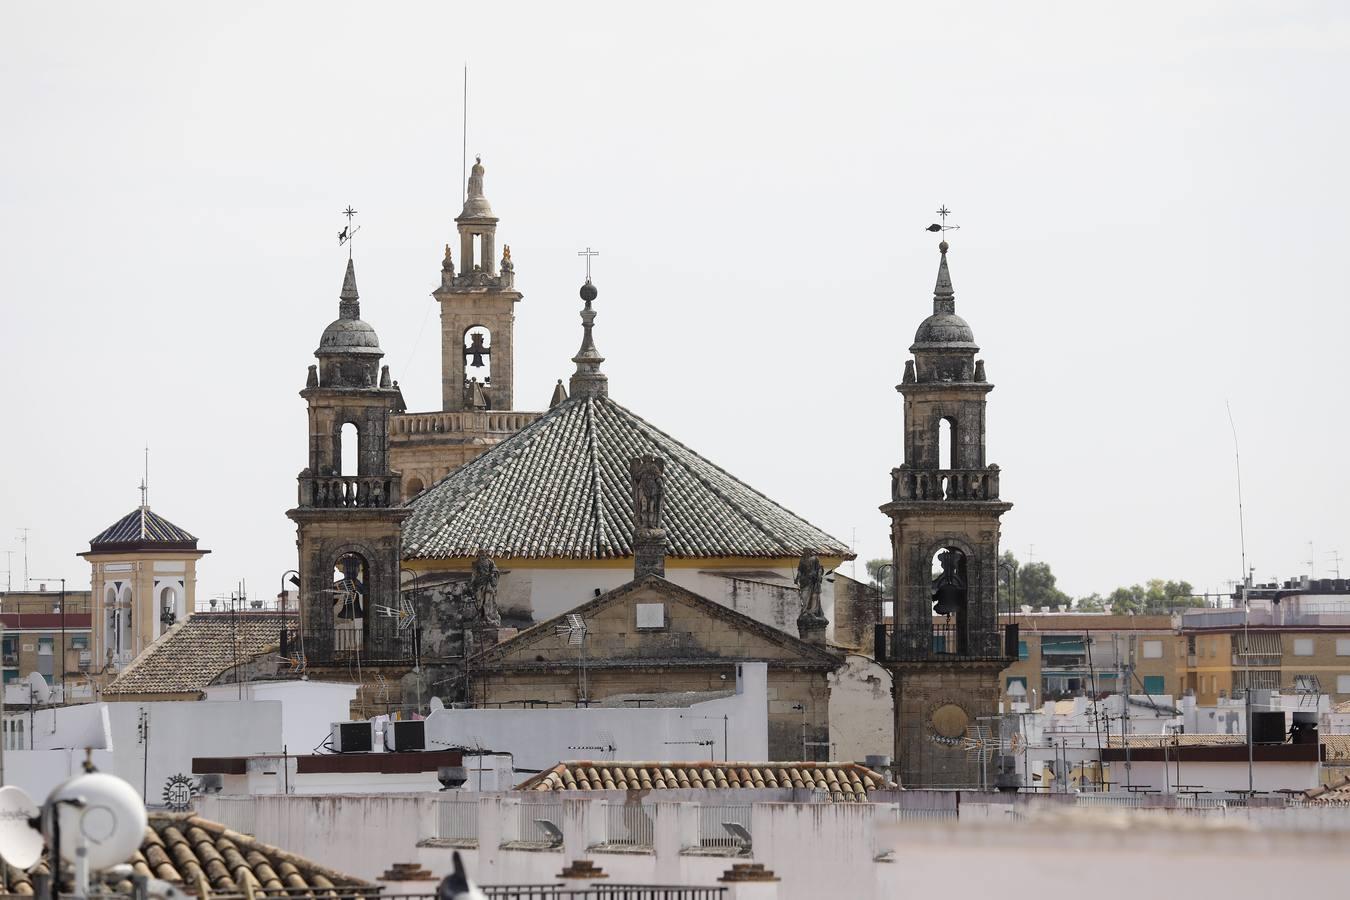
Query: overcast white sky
{"x": 1153, "y": 200}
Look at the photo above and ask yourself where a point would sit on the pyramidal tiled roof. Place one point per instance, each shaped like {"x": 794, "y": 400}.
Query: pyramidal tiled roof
{"x": 560, "y": 488}
{"x": 142, "y": 527}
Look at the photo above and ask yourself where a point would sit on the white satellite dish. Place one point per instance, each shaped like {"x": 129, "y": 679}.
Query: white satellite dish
{"x": 437, "y": 704}
{"x": 38, "y": 688}
{"x": 20, "y": 843}
{"x": 110, "y": 820}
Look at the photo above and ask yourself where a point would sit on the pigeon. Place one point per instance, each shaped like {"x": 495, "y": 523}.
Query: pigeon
{"x": 457, "y": 886}
{"x": 933, "y": 228}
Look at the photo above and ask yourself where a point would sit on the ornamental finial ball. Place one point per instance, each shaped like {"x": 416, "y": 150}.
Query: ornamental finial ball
{"x": 588, "y": 292}
{"x": 942, "y": 247}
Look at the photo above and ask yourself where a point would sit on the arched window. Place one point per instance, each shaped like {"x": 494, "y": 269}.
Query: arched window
{"x": 478, "y": 354}
{"x": 946, "y": 439}
{"x": 412, "y": 487}
{"x": 350, "y": 596}
{"x": 168, "y": 606}
{"x": 349, "y": 450}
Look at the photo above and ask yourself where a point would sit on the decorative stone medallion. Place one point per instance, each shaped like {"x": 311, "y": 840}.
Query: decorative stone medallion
{"x": 948, "y": 720}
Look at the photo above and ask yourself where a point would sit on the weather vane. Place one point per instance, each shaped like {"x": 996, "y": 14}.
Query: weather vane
{"x": 944, "y": 212}
{"x": 345, "y": 235}
{"x": 588, "y": 253}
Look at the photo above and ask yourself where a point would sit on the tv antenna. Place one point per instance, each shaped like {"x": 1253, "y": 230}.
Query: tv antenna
{"x": 404, "y": 612}
{"x": 573, "y": 627}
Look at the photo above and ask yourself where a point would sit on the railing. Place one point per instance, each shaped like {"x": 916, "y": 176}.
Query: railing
{"x": 945, "y": 484}
{"x": 457, "y": 820}
{"x": 710, "y": 819}
{"x": 528, "y": 829}
{"x": 629, "y": 825}
{"x": 350, "y": 491}
{"x": 943, "y": 641}
{"x": 924, "y": 815}
{"x": 434, "y": 423}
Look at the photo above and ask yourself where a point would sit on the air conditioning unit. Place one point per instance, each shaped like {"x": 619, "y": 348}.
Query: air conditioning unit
{"x": 353, "y": 737}
{"x": 405, "y": 735}
{"x": 86, "y": 659}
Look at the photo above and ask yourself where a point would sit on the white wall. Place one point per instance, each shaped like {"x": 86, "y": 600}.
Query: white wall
{"x": 38, "y": 771}
{"x": 862, "y": 716}
{"x": 540, "y": 738}
{"x": 308, "y": 708}
{"x": 770, "y": 597}
{"x": 1225, "y": 776}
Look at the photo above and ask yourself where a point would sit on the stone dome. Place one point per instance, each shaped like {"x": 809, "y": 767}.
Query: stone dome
{"x": 350, "y": 336}
{"x": 947, "y": 330}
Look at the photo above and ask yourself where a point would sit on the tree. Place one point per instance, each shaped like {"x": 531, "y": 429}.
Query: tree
{"x": 1036, "y": 587}
{"x": 1007, "y": 572}
{"x": 1155, "y": 596}
{"x": 1091, "y": 603}
{"x": 882, "y": 574}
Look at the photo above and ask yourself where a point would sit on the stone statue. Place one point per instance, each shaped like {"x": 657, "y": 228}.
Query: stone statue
{"x": 648, "y": 491}
{"x": 483, "y": 588}
{"x": 810, "y": 574}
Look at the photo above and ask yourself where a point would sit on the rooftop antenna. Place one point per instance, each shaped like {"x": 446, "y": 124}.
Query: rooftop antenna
{"x": 1246, "y": 607}
{"x": 1335, "y": 563}
{"x": 25, "y": 556}
{"x": 345, "y": 235}
{"x": 1312, "y": 561}
{"x": 573, "y": 627}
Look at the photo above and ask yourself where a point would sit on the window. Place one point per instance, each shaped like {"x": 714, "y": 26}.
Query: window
{"x": 1017, "y": 680}
{"x": 45, "y": 646}
{"x": 11, "y": 675}
{"x": 1303, "y": 646}
{"x": 1153, "y": 684}
{"x": 79, "y": 642}
{"x": 651, "y": 615}
{"x": 1343, "y": 646}
{"x": 349, "y": 450}
{"x": 1152, "y": 649}
{"x": 1022, "y": 653}
{"x": 1343, "y": 684}
{"x": 945, "y": 442}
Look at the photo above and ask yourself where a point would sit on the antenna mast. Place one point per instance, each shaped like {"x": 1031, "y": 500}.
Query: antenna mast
{"x": 464, "y": 137}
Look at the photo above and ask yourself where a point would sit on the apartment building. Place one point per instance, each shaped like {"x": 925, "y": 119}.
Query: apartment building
{"x": 1062, "y": 655}
{"x": 46, "y": 635}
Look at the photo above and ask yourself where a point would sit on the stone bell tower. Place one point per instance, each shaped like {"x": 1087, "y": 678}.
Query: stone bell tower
{"x": 948, "y": 642}
{"x": 348, "y": 517}
{"x": 477, "y": 311}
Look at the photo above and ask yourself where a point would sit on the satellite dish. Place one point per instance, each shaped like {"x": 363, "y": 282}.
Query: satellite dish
{"x": 38, "y": 688}
{"x": 20, "y": 843}
{"x": 437, "y": 704}
{"x": 110, "y": 820}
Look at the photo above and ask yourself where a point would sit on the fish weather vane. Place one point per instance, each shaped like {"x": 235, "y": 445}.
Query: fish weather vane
{"x": 345, "y": 235}
{"x": 588, "y": 253}
{"x": 944, "y": 212}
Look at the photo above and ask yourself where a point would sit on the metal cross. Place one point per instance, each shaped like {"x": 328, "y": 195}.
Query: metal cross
{"x": 944, "y": 212}
{"x": 588, "y": 253}
{"x": 345, "y": 235}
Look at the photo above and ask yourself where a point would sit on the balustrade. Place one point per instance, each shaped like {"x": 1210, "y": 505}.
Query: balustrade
{"x": 944, "y": 484}
{"x": 432, "y": 423}
{"x": 350, "y": 491}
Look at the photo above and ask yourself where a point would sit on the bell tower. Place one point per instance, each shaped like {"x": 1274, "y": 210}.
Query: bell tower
{"x": 947, "y": 643}
{"x": 477, "y": 311}
{"x": 347, "y": 517}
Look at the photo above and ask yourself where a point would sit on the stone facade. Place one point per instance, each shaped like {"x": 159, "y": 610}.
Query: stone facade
{"x": 654, "y": 637}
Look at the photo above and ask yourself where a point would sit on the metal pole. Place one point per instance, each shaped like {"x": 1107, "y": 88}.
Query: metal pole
{"x": 64, "y": 699}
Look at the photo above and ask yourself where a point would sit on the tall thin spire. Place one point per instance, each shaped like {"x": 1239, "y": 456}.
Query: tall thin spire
{"x": 588, "y": 380}
{"x": 944, "y": 298}
{"x": 145, "y": 481}
{"x": 349, "y": 307}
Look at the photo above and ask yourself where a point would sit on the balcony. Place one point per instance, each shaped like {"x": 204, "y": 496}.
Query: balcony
{"x": 409, "y": 427}
{"x": 943, "y": 642}
{"x": 944, "y": 484}
{"x": 350, "y": 491}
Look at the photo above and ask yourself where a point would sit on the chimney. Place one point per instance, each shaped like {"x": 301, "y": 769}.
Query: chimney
{"x": 649, "y": 538}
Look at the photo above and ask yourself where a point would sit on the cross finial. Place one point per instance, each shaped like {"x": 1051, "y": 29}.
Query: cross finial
{"x": 345, "y": 235}
{"x": 588, "y": 253}
{"x": 145, "y": 479}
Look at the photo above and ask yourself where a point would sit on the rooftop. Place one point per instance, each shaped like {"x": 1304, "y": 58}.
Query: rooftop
{"x": 198, "y": 650}
{"x": 560, "y": 488}
{"x": 844, "y": 780}
{"x": 142, "y": 529}
{"x": 198, "y": 855}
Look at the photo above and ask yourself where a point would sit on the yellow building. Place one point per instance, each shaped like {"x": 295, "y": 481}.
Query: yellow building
{"x": 47, "y": 632}
{"x": 1065, "y": 654}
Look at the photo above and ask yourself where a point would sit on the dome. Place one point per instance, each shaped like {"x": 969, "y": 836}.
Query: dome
{"x": 945, "y": 330}
{"x": 351, "y": 336}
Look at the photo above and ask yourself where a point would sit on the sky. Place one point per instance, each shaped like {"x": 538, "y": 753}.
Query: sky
{"x": 1152, "y": 200}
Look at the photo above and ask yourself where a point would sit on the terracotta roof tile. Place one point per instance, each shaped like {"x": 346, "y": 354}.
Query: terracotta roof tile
{"x": 560, "y": 488}
{"x": 188, "y": 851}
{"x": 845, "y": 781}
{"x": 192, "y": 654}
